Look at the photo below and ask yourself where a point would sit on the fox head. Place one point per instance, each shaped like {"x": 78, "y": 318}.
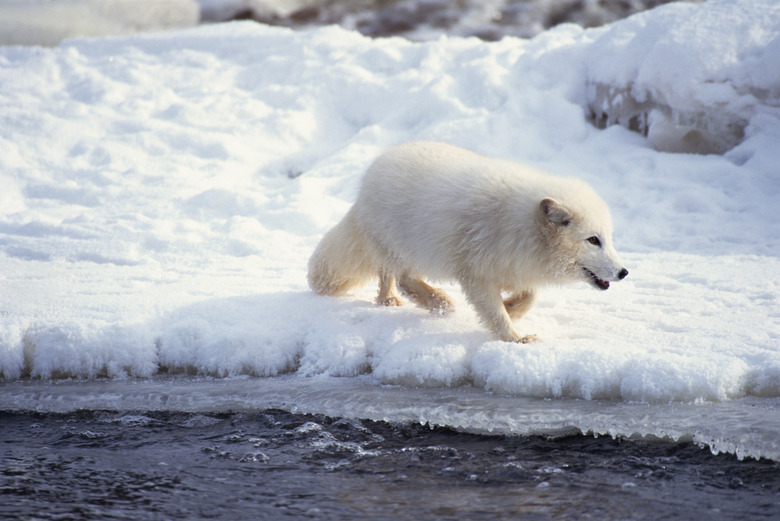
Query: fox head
{"x": 580, "y": 241}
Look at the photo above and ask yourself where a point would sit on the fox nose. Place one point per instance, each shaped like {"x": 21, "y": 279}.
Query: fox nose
{"x": 622, "y": 274}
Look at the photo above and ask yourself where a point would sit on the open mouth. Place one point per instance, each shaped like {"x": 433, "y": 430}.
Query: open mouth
{"x": 597, "y": 282}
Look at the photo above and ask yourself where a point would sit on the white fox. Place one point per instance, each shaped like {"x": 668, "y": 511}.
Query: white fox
{"x": 502, "y": 230}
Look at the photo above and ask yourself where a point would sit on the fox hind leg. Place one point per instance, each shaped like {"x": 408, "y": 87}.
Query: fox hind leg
{"x": 435, "y": 299}
{"x": 519, "y": 303}
{"x": 388, "y": 295}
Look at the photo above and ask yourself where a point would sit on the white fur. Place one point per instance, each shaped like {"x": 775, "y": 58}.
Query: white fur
{"x": 435, "y": 211}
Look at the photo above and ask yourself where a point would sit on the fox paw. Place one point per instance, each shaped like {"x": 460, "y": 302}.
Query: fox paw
{"x": 514, "y": 336}
{"x": 390, "y": 302}
{"x": 440, "y": 303}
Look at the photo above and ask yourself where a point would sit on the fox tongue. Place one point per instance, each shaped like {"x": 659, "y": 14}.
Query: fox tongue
{"x": 601, "y": 284}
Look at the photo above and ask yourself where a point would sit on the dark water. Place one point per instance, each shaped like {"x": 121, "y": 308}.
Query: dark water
{"x": 278, "y": 465}
{"x": 428, "y": 19}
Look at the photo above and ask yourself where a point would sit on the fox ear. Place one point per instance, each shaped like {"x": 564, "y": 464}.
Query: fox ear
{"x": 555, "y": 212}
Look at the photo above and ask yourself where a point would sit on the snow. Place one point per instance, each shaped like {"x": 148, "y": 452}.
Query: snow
{"x": 696, "y": 86}
{"x": 48, "y": 22}
{"x": 161, "y": 195}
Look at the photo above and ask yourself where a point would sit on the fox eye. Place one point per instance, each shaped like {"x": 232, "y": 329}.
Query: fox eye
{"x": 594, "y": 241}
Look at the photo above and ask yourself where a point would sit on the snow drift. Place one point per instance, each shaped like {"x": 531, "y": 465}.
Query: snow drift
{"x": 691, "y": 78}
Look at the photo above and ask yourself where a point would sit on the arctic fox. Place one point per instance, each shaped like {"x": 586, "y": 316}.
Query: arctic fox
{"x": 502, "y": 230}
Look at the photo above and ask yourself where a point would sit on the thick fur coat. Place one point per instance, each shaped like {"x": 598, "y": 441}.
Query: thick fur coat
{"x": 501, "y": 229}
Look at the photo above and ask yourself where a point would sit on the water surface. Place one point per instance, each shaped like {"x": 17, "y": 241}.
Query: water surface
{"x": 273, "y": 464}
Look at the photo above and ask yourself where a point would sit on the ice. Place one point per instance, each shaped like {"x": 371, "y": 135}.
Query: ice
{"x": 161, "y": 195}
{"x": 684, "y": 78}
{"x": 745, "y": 427}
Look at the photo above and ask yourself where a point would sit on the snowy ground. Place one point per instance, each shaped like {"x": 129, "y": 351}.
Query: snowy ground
{"x": 162, "y": 193}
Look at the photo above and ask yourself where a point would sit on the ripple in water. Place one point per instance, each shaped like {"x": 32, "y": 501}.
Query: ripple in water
{"x": 274, "y": 464}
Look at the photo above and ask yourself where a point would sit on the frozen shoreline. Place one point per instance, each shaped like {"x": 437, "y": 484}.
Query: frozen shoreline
{"x": 746, "y": 427}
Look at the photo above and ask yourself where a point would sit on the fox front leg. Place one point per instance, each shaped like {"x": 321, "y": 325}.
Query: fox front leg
{"x": 493, "y": 313}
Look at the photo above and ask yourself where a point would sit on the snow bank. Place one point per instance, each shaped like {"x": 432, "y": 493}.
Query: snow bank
{"x": 162, "y": 194}
{"x": 693, "y": 78}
